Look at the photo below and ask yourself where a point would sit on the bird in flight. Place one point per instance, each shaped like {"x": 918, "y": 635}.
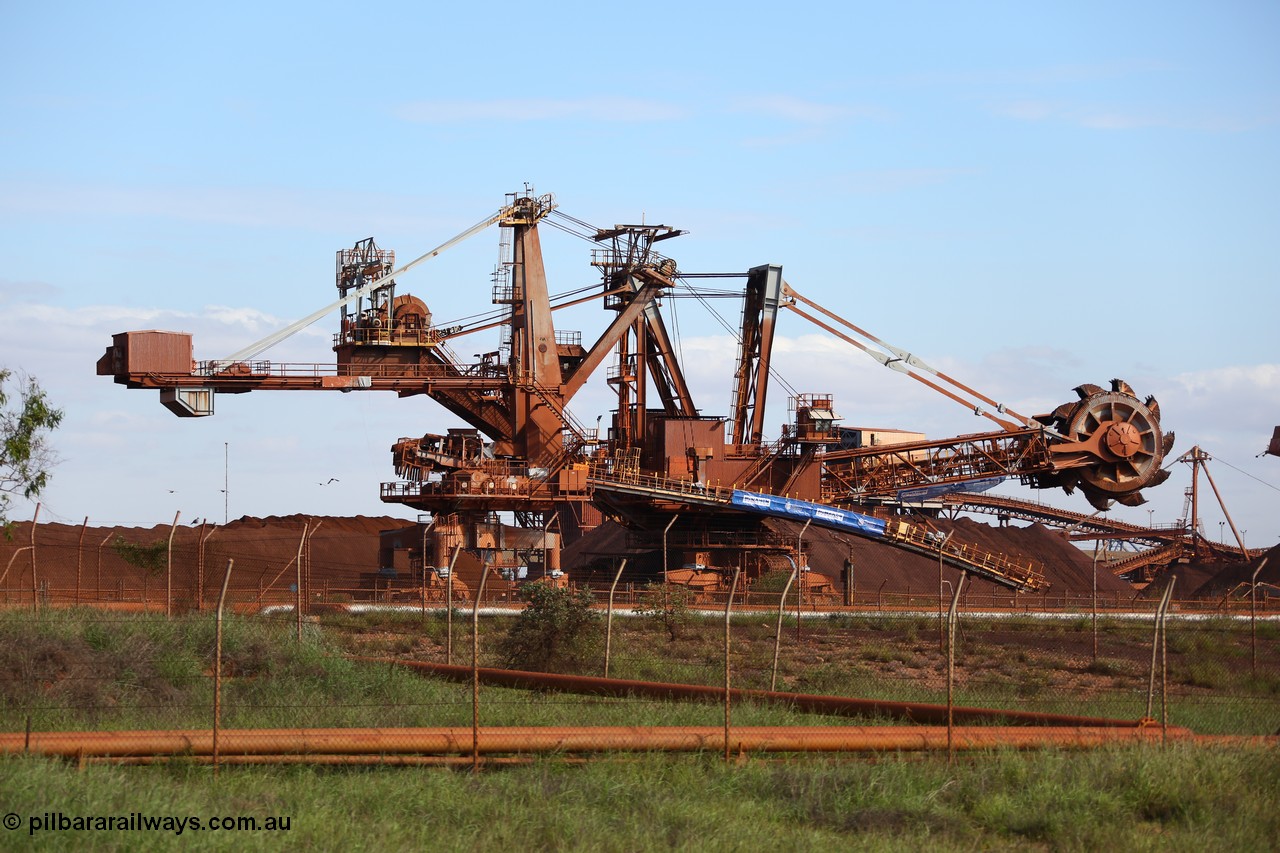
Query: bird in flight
{"x": 331, "y": 480}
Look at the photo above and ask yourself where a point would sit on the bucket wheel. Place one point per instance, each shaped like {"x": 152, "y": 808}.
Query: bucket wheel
{"x": 1112, "y": 446}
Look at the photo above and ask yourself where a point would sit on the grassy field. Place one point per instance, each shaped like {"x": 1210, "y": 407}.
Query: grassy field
{"x": 74, "y": 670}
{"x": 1178, "y": 798}
{"x": 69, "y": 669}
{"x": 1020, "y": 663}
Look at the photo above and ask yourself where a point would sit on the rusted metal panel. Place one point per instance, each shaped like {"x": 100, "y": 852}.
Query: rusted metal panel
{"x": 680, "y": 434}
{"x": 363, "y": 356}
{"x": 153, "y": 352}
{"x": 728, "y": 472}
{"x": 573, "y": 481}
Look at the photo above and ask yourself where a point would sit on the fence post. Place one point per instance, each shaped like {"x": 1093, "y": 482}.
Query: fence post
{"x": 608, "y": 624}
{"x": 422, "y": 565}
{"x": 664, "y": 547}
{"x": 297, "y": 597}
{"x": 200, "y": 565}
{"x": 800, "y": 586}
{"x": 941, "y": 550}
{"x": 728, "y": 609}
{"x": 448, "y": 606}
{"x": 1164, "y": 668}
{"x": 475, "y": 668}
{"x": 35, "y": 595}
{"x": 99, "y": 573}
{"x": 217, "y": 665}
{"x": 777, "y": 637}
{"x": 1095, "y": 601}
{"x": 1253, "y": 615}
{"x": 168, "y": 570}
{"x": 307, "y": 598}
{"x": 951, "y": 660}
{"x": 1155, "y": 642}
{"x": 80, "y": 557}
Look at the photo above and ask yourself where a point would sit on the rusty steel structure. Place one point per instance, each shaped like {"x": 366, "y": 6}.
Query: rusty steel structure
{"x": 1163, "y": 544}
{"x": 522, "y": 457}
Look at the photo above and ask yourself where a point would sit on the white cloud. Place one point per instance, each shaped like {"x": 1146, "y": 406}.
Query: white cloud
{"x": 1241, "y": 402}
{"x": 252, "y": 207}
{"x": 1262, "y": 378}
{"x": 56, "y": 320}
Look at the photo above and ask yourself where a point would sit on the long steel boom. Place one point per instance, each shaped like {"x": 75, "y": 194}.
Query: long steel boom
{"x": 359, "y": 293}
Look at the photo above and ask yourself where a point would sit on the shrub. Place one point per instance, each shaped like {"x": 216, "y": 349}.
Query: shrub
{"x": 150, "y": 558}
{"x": 557, "y": 631}
{"x": 1104, "y": 666}
{"x": 668, "y": 606}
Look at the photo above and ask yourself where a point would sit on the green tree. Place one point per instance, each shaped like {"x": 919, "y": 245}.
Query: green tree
{"x": 150, "y": 558}
{"x": 557, "y": 630}
{"x": 25, "y": 453}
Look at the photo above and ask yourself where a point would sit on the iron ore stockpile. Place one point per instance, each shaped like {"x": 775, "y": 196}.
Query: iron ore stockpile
{"x": 126, "y": 568}
{"x": 882, "y": 570}
{"x": 1214, "y": 580}
{"x": 343, "y": 556}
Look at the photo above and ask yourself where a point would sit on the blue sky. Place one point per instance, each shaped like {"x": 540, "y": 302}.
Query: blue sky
{"x": 1030, "y": 196}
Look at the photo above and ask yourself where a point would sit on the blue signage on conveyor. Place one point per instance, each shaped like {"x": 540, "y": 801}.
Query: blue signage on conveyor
{"x": 827, "y": 516}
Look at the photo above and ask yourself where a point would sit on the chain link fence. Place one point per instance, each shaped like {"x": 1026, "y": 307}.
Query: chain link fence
{"x": 552, "y": 660}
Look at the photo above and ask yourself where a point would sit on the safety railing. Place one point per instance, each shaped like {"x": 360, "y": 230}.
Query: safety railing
{"x": 252, "y": 370}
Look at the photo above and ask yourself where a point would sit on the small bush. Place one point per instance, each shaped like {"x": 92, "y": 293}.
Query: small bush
{"x": 557, "y": 631}
{"x": 1105, "y": 666}
{"x": 668, "y": 606}
{"x": 1202, "y": 675}
{"x": 150, "y": 558}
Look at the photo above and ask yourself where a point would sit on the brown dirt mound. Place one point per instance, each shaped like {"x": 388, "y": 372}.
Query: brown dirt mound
{"x": 264, "y": 549}
{"x": 878, "y": 566}
{"x": 1234, "y": 578}
{"x": 343, "y": 548}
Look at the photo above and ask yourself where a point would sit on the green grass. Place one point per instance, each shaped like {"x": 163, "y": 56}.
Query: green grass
{"x": 1136, "y": 798}
{"x": 69, "y": 669}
